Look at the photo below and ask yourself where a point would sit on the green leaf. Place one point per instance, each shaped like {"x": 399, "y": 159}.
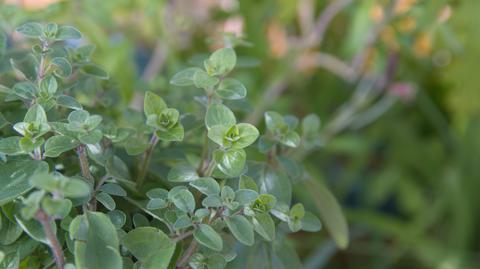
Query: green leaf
{"x": 290, "y": 139}
{"x": 217, "y": 134}
{"x": 106, "y": 200}
{"x": 263, "y": 224}
{"x": 221, "y": 62}
{"x": 3, "y": 45}
{"x": 113, "y": 189}
{"x": 247, "y": 183}
{"x": 212, "y": 201}
{"x": 91, "y": 138}
{"x": 241, "y": 228}
{"x": 245, "y": 197}
{"x": 11, "y": 145}
{"x": 182, "y": 173}
{"x": 48, "y": 86}
{"x": 184, "y": 77}
{"x": 95, "y": 70}
{"x": 56, "y": 207}
{"x": 79, "y": 116}
{"x": 231, "y": 89}
{"x": 331, "y": 213}
{"x": 31, "y": 29}
{"x": 310, "y": 124}
{"x": 153, "y": 104}
{"x": 247, "y": 133}
{"x": 118, "y": 218}
{"x": 208, "y": 237}
{"x": 58, "y": 144}
{"x": 274, "y": 121}
{"x": 206, "y": 185}
{"x": 63, "y": 68}
{"x": 14, "y": 178}
{"x": 231, "y": 162}
{"x": 156, "y": 203}
{"x": 100, "y": 250}
{"x": 183, "y": 199}
{"x": 218, "y": 114}
{"x": 202, "y": 80}
{"x": 278, "y": 185}
{"x": 25, "y": 90}
{"x": 157, "y": 193}
{"x": 36, "y": 114}
{"x": 34, "y": 229}
{"x": 68, "y": 102}
{"x": 295, "y": 217}
{"x": 150, "y": 246}
{"x": 65, "y": 32}
{"x": 311, "y": 223}
{"x": 264, "y": 203}
{"x": 75, "y": 188}
{"x": 176, "y": 133}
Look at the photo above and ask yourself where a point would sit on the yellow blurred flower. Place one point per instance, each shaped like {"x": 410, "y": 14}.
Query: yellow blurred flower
{"x": 376, "y": 13}
{"x": 407, "y": 24}
{"x": 403, "y": 6}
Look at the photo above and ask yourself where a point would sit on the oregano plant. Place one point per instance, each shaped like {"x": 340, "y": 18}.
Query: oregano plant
{"x": 84, "y": 188}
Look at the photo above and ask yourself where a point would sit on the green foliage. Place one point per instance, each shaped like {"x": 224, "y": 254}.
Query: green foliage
{"x": 70, "y": 183}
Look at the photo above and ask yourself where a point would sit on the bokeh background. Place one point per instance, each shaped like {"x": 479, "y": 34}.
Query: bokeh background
{"x": 395, "y": 83}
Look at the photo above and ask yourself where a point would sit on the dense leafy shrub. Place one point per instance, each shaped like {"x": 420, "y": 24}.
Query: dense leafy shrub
{"x": 71, "y": 181}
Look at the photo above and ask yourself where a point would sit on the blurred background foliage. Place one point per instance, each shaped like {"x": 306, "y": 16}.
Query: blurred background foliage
{"x": 394, "y": 82}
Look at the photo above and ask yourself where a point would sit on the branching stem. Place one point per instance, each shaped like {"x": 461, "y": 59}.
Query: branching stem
{"x": 146, "y": 160}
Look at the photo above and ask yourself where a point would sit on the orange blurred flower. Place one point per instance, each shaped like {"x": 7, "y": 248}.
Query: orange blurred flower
{"x": 403, "y": 6}
{"x": 376, "y": 13}
{"x": 277, "y": 39}
{"x": 423, "y": 44}
{"x": 407, "y": 24}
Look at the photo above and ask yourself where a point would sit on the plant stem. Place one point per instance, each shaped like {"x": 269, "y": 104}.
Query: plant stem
{"x": 85, "y": 168}
{"x": 183, "y": 262}
{"x": 84, "y": 165}
{"x": 201, "y": 165}
{"x": 146, "y": 160}
{"x": 44, "y": 220}
{"x": 210, "y": 168}
{"x": 182, "y": 236}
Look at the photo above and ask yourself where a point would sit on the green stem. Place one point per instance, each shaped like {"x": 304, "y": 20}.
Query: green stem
{"x": 146, "y": 160}
{"x": 210, "y": 168}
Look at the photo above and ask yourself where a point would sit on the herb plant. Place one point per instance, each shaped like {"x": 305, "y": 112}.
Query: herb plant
{"x": 173, "y": 190}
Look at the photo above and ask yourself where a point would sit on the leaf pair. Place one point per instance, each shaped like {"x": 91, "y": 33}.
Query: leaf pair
{"x": 166, "y": 121}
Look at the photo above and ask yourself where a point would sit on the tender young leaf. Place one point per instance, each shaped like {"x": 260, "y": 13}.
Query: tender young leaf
{"x": 202, "y": 80}
{"x": 231, "y": 162}
{"x": 182, "y": 173}
{"x": 184, "y": 77}
{"x": 31, "y": 29}
{"x": 217, "y": 134}
{"x": 231, "y": 89}
{"x": 295, "y": 217}
{"x": 263, "y": 224}
{"x": 247, "y": 133}
{"x": 14, "y": 178}
{"x": 208, "y": 237}
{"x": 241, "y": 228}
{"x": 206, "y": 185}
{"x": 150, "y": 246}
{"x": 176, "y": 133}
{"x": 59, "y": 144}
{"x": 218, "y": 114}
{"x": 65, "y": 32}
{"x": 221, "y": 62}
{"x": 49, "y": 85}
{"x": 153, "y": 104}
